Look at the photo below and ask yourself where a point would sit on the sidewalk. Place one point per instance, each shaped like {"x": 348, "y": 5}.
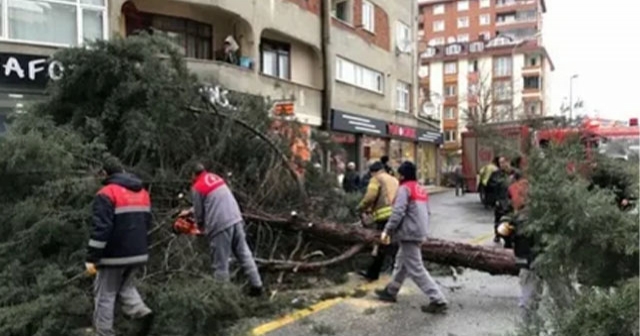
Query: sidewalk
{"x": 432, "y": 189}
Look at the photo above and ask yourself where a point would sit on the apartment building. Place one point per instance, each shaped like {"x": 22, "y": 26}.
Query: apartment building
{"x": 481, "y": 61}
{"x": 364, "y": 92}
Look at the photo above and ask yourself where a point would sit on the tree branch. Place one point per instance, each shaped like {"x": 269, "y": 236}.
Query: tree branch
{"x": 302, "y": 266}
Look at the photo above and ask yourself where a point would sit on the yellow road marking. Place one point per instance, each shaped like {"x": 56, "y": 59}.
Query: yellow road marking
{"x": 302, "y": 313}
{"x": 481, "y": 238}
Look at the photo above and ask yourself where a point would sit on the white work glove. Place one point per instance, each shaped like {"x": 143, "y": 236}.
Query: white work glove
{"x": 385, "y": 238}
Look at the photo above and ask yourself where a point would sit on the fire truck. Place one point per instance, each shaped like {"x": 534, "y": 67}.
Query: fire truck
{"x": 617, "y": 141}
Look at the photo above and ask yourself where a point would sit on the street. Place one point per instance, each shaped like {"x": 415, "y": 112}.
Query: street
{"x": 480, "y": 304}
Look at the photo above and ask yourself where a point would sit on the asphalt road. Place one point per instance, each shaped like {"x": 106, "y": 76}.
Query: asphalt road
{"x": 480, "y": 304}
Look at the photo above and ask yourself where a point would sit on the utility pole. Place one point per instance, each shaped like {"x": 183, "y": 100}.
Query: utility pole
{"x": 571, "y": 96}
{"x": 327, "y": 94}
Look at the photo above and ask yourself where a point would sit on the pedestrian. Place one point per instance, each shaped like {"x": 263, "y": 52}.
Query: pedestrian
{"x": 217, "y": 211}
{"x": 387, "y": 167}
{"x": 351, "y": 181}
{"x": 118, "y": 247}
{"x": 499, "y": 185}
{"x": 484, "y": 175}
{"x": 408, "y": 226}
{"x": 459, "y": 178}
{"x": 378, "y": 200}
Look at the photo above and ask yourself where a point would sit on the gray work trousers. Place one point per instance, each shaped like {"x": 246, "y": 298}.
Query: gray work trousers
{"x": 233, "y": 239}
{"x": 111, "y": 283}
{"x": 409, "y": 264}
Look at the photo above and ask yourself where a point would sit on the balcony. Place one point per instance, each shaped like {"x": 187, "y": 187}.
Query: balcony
{"x": 221, "y": 47}
{"x": 307, "y": 100}
{"x": 503, "y": 6}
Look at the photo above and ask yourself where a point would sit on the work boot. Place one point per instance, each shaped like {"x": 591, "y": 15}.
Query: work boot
{"x": 384, "y": 295}
{"x": 255, "y": 291}
{"x": 435, "y": 308}
{"x": 145, "y": 318}
{"x": 366, "y": 276}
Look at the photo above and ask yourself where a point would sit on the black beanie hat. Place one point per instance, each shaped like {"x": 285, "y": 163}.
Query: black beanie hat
{"x": 376, "y": 167}
{"x": 408, "y": 171}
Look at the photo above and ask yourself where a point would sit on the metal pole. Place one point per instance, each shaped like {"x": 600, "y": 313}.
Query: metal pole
{"x": 571, "y": 99}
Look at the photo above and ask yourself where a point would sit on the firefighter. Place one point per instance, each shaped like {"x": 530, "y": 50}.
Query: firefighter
{"x": 378, "y": 199}
{"x": 217, "y": 212}
{"x": 118, "y": 247}
{"x": 408, "y": 226}
{"x": 499, "y": 183}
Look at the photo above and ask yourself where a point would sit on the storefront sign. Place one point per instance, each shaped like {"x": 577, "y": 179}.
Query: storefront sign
{"x": 402, "y": 131}
{"x": 353, "y": 123}
{"x": 429, "y": 136}
{"x": 28, "y": 71}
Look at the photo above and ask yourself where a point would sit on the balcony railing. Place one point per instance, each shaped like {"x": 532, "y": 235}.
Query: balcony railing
{"x": 307, "y": 100}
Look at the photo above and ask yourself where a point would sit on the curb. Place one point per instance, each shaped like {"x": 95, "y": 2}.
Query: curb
{"x": 439, "y": 191}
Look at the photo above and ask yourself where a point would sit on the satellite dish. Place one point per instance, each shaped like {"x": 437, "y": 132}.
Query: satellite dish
{"x": 423, "y": 72}
{"x": 404, "y": 45}
{"x": 428, "y": 109}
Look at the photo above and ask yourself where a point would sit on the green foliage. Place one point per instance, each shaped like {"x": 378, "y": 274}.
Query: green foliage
{"x": 129, "y": 98}
{"x": 584, "y": 237}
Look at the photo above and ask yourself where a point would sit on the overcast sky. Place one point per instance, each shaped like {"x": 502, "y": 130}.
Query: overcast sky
{"x": 600, "y": 41}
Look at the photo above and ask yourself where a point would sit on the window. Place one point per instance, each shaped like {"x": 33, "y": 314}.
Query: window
{"x": 453, "y": 49}
{"x": 485, "y": 19}
{"x": 429, "y": 52}
{"x": 275, "y": 59}
{"x": 68, "y": 22}
{"x": 436, "y": 41}
{"x": 403, "y": 96}
{"x": 532, "y": 83}
{"x": 485, "y": 36}
{"x": 449, "y": 112}
{"x": 450, "y": 90}
{"x": 403, "y": 32}
{"x": 368, "y": 16}
{"x": 450, "y": 135}
{"x": 532, "y": 61}
{"x": 360, "y": 76}
{"x": 342, "y": 10}
{"x": 438, "y": 26}
{"x": 472, "y": 90}
{"x": 502, "y": 67}
{"x": 450, "y": 68}
{"x": 463, "y": 38}
{"x": 502, "y": 90}
{"x": 485, "y": 3}
{"x": 476, "y": 47}
{"x": 463, "y": 5}
{"x": 473, "y": 66}
{"x": 423, "y": 71}
{"x": 463, "y": 22}
{"x": 438, "y": 9}
{"x": 192, "y": 38}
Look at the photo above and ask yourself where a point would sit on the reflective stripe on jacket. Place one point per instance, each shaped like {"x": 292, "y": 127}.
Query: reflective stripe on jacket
{"x": 121, "y": 220}
{"x": 379, "y": 197}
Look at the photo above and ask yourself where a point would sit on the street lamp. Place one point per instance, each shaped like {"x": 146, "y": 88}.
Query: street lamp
{"x": 571, "y": 96}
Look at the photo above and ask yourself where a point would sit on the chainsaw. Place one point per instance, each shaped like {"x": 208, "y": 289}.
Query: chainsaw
{"x": 185, "y": 223}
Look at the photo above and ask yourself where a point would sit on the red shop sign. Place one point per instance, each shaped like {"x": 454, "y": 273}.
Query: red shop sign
{"x": 401, "y": 131}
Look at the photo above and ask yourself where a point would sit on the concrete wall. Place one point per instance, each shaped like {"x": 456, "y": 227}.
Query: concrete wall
{"x": 307, "y": 100}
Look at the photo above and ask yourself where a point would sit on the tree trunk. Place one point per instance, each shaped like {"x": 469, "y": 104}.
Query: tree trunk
{"x": 495, "y": 261}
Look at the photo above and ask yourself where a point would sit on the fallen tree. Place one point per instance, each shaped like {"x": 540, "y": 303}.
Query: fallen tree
{"x": 491, "y": 260}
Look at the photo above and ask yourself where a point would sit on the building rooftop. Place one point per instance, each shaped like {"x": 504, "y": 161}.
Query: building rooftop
{"x": 431, "y": 2}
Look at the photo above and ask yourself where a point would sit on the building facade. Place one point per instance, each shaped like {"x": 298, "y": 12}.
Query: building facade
{"x": 481, "y": 61}
{"x": 280, "y": 53}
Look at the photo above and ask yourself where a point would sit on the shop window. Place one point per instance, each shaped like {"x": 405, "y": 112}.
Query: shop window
{"x": 275, "y": 59}
{"x": 193, "y": 39}
{"x": 64, "y": 23}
